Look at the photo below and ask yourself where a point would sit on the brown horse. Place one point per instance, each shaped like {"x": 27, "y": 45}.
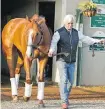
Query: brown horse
{"x": 15, "y": 38}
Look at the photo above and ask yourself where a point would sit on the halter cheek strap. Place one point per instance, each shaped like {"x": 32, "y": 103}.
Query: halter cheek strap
{"x": 40, "y": 41}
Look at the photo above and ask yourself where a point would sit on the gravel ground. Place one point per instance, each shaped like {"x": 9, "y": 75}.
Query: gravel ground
{"x": 81, "y": 97}
{"x": 54, "y": 104}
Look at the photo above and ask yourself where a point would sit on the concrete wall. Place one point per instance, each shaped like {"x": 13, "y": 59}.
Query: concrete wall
{"x": 60, "y": 12}
{"x": 93, "y": 68}
{"x": 64, "y": 7}
{"x": 71, "y": 6}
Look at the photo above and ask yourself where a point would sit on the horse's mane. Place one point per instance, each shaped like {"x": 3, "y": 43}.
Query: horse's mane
{"x": 36, "y": 18}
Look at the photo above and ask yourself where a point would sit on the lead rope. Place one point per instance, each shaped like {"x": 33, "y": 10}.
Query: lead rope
{"x": 93, "y": 54}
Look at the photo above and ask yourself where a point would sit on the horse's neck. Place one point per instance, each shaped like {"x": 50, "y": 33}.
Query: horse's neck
{"x": 46, "y": 34}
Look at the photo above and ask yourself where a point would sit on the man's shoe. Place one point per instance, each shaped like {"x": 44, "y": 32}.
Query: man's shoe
{"x": 64, "y": 106}
{"x": 41, "y": 104}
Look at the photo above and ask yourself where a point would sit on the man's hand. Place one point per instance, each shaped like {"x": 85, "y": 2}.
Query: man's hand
{"x": 50, "y": 53}
{"x": 102, "y": 41}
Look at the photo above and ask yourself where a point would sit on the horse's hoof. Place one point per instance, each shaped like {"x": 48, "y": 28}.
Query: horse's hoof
{"x": 26, "y": 98}
{"x": 14, "y": 99}
{"x": 41, "y": 105}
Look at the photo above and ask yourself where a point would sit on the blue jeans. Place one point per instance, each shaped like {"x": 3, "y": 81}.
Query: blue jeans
{"x": 66, "y": 72}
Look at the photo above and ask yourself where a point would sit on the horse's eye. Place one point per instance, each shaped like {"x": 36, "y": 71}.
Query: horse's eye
{"x": 35, "y": 22}
{"x": 40, "y": 28}
{"x": 36, "y": 34}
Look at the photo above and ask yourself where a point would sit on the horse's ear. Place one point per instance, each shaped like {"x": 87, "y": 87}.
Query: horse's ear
{"x": 33, "y": 24}
{"x": 42, "y": 20}
{"x": 27, "y": 17}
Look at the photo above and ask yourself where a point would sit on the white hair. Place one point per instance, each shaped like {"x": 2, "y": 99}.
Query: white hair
{"x": 68, "y": 18}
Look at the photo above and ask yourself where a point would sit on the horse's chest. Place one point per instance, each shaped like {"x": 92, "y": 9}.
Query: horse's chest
{"x": 41, "y": 53}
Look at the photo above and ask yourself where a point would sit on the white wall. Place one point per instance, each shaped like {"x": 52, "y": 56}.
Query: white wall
{"x": 63, "y": 7}
{"x": 71, "y": 7}
{"x": 60, "y": 12}
{"x": 93, "y": 68}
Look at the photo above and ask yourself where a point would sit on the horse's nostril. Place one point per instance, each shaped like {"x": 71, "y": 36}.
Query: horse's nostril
{"x": 41, "y": 33}
{"x": 36, "y": 34}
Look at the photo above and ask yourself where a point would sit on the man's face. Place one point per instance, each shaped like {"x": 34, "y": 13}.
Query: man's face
{"x": 69, "y": 25}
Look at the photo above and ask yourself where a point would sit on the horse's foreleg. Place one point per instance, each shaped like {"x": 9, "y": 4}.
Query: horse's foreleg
{"x": 40, "y": 96}
{"x": 12, "y": 75}
{"x": 28, "y": 83}
{"x": 17, "y": 69}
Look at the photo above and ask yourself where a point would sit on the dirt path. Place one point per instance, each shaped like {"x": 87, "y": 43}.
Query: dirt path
{"x": 52, "y": 93}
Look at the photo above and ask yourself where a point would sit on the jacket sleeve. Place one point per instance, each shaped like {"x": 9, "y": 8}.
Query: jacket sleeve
{"x": 55, "y": 39}
{"x": 86, "y": 39}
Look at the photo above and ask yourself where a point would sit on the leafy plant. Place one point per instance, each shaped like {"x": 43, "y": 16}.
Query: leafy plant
{"x": 88, "y": 8}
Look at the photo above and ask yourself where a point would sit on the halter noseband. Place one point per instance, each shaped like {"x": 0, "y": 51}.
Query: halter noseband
{"x": 41, "y": 34}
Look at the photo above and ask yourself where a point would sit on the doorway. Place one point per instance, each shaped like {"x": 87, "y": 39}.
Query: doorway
{"x": 47, "y": 9}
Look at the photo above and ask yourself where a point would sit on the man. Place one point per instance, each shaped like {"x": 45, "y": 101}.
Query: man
{"x": 66, "y": 40}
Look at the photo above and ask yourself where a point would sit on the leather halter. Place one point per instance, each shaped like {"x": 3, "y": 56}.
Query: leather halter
{"x": 41, "y": 34}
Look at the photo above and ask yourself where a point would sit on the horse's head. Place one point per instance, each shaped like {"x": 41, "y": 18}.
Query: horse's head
{"x": 36, "y": 31}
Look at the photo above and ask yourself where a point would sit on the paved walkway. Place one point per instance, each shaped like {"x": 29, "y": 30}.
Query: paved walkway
{"x": 80, "y": 98}
{"x": 55, "y": 104}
